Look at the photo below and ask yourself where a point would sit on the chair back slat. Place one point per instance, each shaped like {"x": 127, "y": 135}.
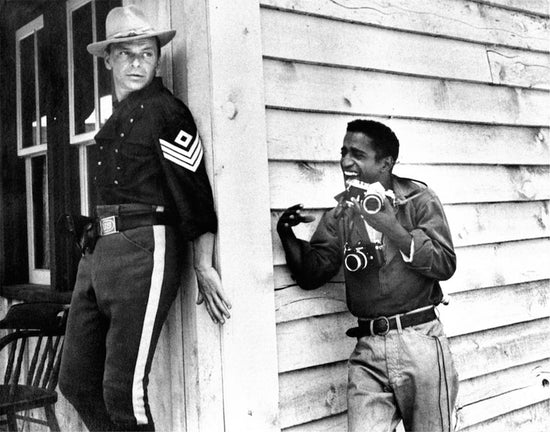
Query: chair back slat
{"x": 51, "y": 361}
{"x": 19, "y": 363}
{"x": 52, "y": 384}
{"x": 34, "y": 361}
{"x": 9, "y": 365}
{"x": 42, "y": 362}
{"x": 31, "y": 355}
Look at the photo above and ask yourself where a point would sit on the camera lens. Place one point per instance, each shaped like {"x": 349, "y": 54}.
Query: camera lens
{"x": 372, "y": 204}
{"x": 355, "y": 261}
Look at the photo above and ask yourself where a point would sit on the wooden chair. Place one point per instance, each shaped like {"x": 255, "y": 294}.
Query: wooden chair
{"x": 31, "y": 353}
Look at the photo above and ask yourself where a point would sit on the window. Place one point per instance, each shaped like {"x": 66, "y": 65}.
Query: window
{"x": 90, "y": 100}
{"x": 32, "y": 144}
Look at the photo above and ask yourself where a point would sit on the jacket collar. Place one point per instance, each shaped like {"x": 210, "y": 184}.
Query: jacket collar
{"x": 135, "y": 98}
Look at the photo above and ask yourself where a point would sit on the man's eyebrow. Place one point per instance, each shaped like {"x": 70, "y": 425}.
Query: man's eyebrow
{"x": 128, "y": 46}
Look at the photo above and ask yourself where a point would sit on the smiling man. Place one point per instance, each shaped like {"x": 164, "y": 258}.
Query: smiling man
{"x": 394, "y": 254}
{"x": 152, "y": 195}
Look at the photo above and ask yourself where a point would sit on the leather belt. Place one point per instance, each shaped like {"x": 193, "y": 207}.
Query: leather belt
{"x": 114, "y": 224}
{"x": 381, "y": 326}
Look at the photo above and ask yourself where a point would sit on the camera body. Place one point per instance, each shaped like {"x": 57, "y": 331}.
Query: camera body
{"x": 363, "y": 255}
{"x": 371, "y": 196}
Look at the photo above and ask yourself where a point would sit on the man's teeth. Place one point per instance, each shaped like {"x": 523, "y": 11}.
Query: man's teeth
{"x": 350, "y": 174}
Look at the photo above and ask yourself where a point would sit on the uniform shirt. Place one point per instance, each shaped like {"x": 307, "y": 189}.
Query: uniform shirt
{"x": 149, "y": 152}
{"x": 398, "y": 286}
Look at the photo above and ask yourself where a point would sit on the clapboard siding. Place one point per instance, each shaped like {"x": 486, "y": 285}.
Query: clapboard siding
{"x": 336, "y": 423}
{"x": 327, "y": 343}
{"x": 517, "y": 303}
{"x": 464, "y": 84}
{"x": 312, "y": 393}
{"x": 537, "y": 7}
{"x": 463, "y": 20}
{"x": 307, "y": 136}
{"x": 502, "y": 381}
{"x": 455, "y": 184}
{"x": 310, "y": 87}
{"x": 319, "y": 40}
{"x": 503, "y": 405}
{"x": 482, "y": 266}
{"x": 316, "y": 391}
{"x": 471, "y": 224}
{"x": 532, "y": 418}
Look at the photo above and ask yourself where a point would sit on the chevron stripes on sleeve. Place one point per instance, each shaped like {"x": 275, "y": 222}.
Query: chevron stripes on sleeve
{"x": 185, "y": 151}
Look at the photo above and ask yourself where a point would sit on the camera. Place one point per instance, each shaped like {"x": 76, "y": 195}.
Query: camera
{"x": 370, "y": 196}
{"x": 363, "y": 255}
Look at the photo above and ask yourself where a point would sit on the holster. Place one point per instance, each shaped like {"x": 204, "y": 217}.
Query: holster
{"x": 82, "y": 229}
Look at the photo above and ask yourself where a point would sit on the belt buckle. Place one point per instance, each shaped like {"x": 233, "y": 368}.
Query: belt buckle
{"x": 107, "y": 226}
{"x": 383, "y": 333}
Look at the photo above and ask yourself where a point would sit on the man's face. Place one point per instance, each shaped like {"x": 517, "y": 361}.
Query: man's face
{"x": 358, "y": 160}
{"x": 134, "y": 65}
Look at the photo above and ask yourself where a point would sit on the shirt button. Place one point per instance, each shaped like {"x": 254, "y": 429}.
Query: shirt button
{"x": 118, "y": 168}
{"x": 99, "y": 163}
{"x": 116, "y": 150}
{"x": 100, "y": 147}
{"x": 141, "y": 106}
{"x": 131, "y": 120}
{"x": 122, "y": 134}
{"x": 115, "y": 182}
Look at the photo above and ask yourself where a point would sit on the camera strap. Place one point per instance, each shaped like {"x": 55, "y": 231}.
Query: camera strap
{"x": 349, "y": 222}
{"x": 401, "y": 201}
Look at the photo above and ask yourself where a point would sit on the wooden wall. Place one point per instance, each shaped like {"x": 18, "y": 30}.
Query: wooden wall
{"x": 465, "y": 85}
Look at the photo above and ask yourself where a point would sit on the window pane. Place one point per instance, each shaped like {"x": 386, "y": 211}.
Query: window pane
{"x": 104, "y": 76}
{"x": 40, "y": 212}
{"x": 83, "y": 78}
{"x": 42, "y": 85}
{"x": 28, "y": 93}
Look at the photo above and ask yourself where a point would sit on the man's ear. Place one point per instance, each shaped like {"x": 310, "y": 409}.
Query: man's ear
{"x": 107, "y": 61}
{"x": 387, "y": 163}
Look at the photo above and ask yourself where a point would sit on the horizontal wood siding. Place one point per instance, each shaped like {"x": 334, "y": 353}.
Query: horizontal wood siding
{"x": 465, "y": 86}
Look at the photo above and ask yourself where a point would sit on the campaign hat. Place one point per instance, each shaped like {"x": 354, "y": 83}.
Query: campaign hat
{"x": 127, "y": 24}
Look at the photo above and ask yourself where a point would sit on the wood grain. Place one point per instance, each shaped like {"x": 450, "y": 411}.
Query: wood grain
{"x": 462, "y": 20}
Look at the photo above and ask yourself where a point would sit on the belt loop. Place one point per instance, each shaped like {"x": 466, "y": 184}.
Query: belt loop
{"x": 398, "y": 322}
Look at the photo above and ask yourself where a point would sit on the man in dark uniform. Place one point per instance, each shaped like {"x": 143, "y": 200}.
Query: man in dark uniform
{"x": 392, "y": 236}
{"x": 153, "y": 194}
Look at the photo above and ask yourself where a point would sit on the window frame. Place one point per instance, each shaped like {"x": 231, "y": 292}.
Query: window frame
{"x": 82, "y": 140}
{"x": 36, "y": 275}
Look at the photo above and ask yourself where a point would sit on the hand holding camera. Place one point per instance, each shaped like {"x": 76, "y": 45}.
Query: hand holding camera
{"x": 371, "y": 197}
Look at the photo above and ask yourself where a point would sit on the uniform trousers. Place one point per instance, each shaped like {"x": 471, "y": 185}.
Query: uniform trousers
{"x": 121, "y": 299}
{"x": 405, "y": 375}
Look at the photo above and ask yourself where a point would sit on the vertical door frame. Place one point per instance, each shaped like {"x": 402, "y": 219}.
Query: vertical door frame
{"x": 231, "y": 371}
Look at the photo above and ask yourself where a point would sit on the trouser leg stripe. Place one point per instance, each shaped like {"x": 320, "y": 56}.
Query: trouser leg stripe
{"x": 157, "y": 277}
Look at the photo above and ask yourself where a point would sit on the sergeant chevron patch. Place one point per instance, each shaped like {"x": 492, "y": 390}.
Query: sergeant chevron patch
{"x": 186, "y": 150}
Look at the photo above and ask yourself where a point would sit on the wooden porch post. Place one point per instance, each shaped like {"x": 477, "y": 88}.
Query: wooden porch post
{"x": 231, "y": 372}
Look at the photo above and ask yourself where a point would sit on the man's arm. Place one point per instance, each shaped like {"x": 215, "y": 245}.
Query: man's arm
{"x": 432, "y": 252}
{"x": 210, "y": 286}
{"x": 312, "y": 263}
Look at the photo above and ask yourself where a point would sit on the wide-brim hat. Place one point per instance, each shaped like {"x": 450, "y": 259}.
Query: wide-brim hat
{"x": 126, "y": 24}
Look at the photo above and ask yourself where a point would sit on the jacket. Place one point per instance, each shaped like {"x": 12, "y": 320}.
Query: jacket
{"x": 397, "y": 286}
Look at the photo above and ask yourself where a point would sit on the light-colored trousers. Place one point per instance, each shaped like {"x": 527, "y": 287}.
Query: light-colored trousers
{"x": 407, "y": 376}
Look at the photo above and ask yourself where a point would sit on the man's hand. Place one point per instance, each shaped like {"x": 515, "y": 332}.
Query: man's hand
{"x": 383, "y": 221}
{"x": 210, "y": 286}
{"x": 292, "y": 216}
{"x": 212, "y": 295}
